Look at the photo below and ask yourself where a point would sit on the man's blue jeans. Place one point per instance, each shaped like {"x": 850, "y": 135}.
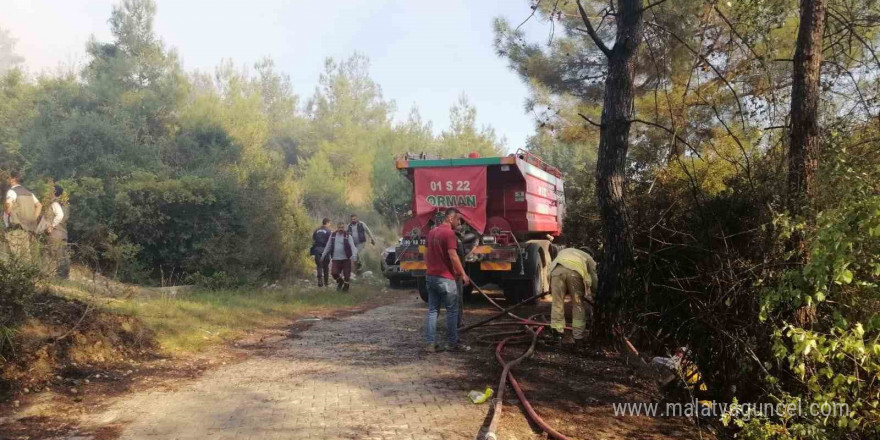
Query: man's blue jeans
{"x": 442, "y": 291}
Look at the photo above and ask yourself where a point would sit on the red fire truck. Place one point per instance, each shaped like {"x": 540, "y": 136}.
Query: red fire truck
{"x": 512, "y": 208}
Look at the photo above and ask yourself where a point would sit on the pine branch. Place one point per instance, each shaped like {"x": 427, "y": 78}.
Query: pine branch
{"x": 590, "y": 120}
{"x": 657, "y": 3}
{"x": 668, "y": 130}
{"x": 534, "y": 9}
{"x": 592, "y": 32}
{"x": 711, "y": 66}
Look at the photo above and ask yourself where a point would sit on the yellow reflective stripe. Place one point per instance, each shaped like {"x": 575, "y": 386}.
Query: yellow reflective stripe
{"x": 492, "y": 265}
{"x": 413, "y": 265}
{"x": 482, "y": 250}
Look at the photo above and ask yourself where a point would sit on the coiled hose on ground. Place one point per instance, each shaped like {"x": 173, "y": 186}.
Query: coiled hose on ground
{"x": 506, "y": 374}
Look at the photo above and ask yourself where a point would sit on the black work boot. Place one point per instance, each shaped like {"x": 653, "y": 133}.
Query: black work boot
{"x": 320, "y": 282}
{"x": 326, "y": 281}
{"x": 345, "y": 286}
{"x": 339, "y": 283}
{"x": 580, "y": 346}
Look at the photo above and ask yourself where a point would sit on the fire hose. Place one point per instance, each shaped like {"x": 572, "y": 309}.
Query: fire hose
{"x": 506, "y": 374}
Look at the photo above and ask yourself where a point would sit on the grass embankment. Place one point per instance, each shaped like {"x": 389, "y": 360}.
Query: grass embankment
{"x": 97, "y": 325}
{"x": 192, "y": 319}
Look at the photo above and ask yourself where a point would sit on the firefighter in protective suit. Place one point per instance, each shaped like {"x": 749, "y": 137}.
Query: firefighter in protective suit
{"x": 572, "y": 272}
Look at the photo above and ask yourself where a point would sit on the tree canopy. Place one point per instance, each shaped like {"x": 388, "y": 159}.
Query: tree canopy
{"x": 207, "y": 173}
{"x": 709, "y": 203}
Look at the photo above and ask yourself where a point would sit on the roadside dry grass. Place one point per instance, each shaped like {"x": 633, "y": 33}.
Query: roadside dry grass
{"x": 92, "y": 338}
{"x": 191, "y": 320}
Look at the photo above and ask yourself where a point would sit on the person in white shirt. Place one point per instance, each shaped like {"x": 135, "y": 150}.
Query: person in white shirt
{"x": 55, "y": 223}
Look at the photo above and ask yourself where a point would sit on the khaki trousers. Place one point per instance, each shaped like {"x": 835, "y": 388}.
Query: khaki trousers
{"x": 59, "y": 259}
{"x": 19, "y": 244}
{"x": 564, "y": 281}
{"x": 358, "y": 264}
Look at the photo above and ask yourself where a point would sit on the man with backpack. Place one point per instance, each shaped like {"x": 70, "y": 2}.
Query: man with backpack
{"x": 319, "y": 243}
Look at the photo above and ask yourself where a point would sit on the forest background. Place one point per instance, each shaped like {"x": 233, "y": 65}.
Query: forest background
{"x": 721, "y": 156}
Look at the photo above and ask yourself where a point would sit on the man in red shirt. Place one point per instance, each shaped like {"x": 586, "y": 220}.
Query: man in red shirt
{"x": 441, "y": 257}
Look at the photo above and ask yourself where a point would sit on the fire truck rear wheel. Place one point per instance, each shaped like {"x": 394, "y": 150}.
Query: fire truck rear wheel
{"x": 515, "y": 291}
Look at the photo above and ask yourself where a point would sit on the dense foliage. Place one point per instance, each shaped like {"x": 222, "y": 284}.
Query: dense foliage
{"x": 706, "y": 192}
{"x": 210, "y": 177}
{"x": 18, "y": 279}
{"x": 215, "y": 177}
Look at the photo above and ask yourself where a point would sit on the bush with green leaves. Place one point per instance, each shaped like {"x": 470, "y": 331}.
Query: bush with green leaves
{"x": 216, "y": 281}
{"x": 18, "y": 281}
{"x": 175, "y": 222}
{"x": 835, "y": 362}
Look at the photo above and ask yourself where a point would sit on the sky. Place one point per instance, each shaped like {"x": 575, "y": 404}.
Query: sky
{"x": 423, "y": 53}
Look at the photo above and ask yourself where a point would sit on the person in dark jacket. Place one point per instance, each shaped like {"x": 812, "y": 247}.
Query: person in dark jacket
{"x": 319, "y": 242}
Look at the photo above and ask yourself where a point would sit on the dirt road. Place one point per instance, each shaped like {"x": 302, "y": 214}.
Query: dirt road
{"x": 364, "y": 376}
{"x": 361, "y": 377}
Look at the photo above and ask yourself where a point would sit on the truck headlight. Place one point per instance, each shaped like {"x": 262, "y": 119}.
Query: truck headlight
{"x": 489, "y": 239}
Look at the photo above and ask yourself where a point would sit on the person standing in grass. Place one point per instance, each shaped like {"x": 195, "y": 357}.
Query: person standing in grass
{"x": 21, "y": 215}
{"x": 444, "y": 265}
{"x": 341, "y": 250}
{"x": 319, "y": 243}
{"x": 56, "y": 228}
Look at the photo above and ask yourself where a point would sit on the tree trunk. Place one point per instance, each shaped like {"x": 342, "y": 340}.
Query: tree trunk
{"x": 803, "y": 147}
{"x": 617, "y": 112}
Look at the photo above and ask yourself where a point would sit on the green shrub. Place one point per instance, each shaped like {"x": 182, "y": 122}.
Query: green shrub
{"x": 835, "y": 362}
{"x": 18, "y": 280}
{"x": 173, "y": 221}
{"x": 200, "y": 147}
{"x": 278, "y": 228}
{"x": 215, "y": 281}
{"x": 323, "y": 190}
{"x": 147, "y": 227}
{"x": 89, "y": 145}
